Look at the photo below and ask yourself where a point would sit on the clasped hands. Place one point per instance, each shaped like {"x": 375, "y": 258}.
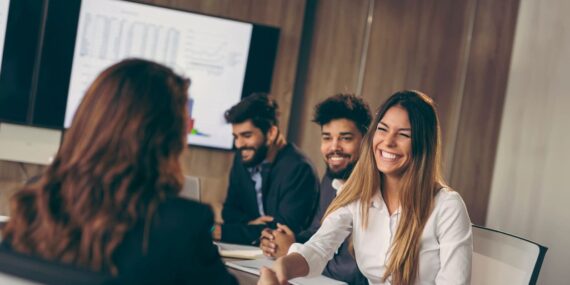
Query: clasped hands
{"x": 275, "y": 243}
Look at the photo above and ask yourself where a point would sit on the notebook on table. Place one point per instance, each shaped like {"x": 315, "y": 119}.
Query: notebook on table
{"x": 238, "y": 251}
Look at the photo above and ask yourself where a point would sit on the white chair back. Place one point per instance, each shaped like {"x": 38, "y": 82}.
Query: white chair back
{"x": 501, "y": 258}
{"x": 3, "y": 221}
{"x": 13, "y": 280}
{"x": 191, "y": 188}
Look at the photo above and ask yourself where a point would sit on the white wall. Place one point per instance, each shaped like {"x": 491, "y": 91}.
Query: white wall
{"x": 530, "y": 194}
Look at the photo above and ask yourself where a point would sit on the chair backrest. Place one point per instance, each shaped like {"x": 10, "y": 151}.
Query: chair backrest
{"x": 501, "y": 258}
{"x": 13, "y": 280}
{"x": 19, "y": 269}
{"x": 191, "y": 188}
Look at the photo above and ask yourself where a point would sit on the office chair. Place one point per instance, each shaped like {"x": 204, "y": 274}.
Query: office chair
{"x": 191, "y": 188}
{"x": 20, "y": 269}
{"x": 501, "y": 258}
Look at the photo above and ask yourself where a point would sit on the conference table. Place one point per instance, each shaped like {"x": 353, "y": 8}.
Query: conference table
{"x": 244, "y": 278}
{"x": 249, "y": 258}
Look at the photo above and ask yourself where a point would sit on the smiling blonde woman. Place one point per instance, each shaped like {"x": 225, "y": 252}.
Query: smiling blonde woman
{"x": 407, "y": 225}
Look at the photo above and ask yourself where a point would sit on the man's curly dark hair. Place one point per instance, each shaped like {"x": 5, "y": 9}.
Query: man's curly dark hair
{"x": 343, "y": 106}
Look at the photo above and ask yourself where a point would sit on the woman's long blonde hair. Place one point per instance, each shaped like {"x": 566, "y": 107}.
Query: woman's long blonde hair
{"x": 420, "y": 182}
{"x": 118, "y": 161}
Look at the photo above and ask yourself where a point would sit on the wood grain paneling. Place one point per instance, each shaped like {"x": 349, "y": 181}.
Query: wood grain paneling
{"x": 482, "y": 106}
{"x": 456, "y": 51}
{"x": 420, "y": 45}
{"x": 19, "y": 172}
{"x": 13, "y": 175}
{"x": 335, "y": 54}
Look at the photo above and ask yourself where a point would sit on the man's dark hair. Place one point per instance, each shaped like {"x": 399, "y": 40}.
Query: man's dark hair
{"x": 257, "y": 107}
{"x": 343, "y": 106}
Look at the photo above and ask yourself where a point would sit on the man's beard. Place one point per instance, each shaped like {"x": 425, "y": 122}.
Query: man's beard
{"x": 342, "y": 173}
{"x": 259, "y": 154}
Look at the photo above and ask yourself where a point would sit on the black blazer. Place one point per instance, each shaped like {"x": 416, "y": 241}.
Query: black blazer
{"x": 290, "y": 192}
{"x": 180, "y": 249}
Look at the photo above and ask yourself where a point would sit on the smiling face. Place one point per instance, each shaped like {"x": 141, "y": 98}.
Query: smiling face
{"x": 340, "y": 144}
{"x": 392, "y": 142}
{"x": 250, "y": 143}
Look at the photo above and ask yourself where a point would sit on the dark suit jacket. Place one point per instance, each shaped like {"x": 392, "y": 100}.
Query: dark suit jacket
{"x": 180, "y": 249}
{"x": 290, "y": 190}
{"x": 343, "y": 265}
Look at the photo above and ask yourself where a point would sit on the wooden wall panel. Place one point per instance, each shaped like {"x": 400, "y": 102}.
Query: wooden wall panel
{"x": 482, "y": 106}
{"x": 12, "y": 177}
{"x": 456, "y": 51}
{"x": 420, "y": 45}
{"x": 335, "y": 54}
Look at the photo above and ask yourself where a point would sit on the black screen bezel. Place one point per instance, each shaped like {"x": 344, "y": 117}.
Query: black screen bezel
{"x": 18, "y": 74}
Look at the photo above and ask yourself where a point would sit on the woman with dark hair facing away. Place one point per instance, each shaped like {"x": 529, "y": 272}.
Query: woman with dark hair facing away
{"x": 407, "y": 225}
{"x": 108, "y": 201}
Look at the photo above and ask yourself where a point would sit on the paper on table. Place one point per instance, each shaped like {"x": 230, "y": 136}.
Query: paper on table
{"x": 253, "y": 266}
{"x": 238, "y": 251}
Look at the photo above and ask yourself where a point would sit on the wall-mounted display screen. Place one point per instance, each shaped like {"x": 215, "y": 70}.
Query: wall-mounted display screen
{"x": 213, "y": 52}
{"x": 4, "y": 5}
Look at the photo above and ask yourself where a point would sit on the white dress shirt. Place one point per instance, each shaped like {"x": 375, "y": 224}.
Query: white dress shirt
{"x": 445, "y": 250}
{"x": 337, "y": 185}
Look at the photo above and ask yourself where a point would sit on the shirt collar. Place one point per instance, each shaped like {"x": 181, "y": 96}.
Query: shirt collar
{"x": 257, "y": 169}
{"x": 379, "y": 203}
{"x": 337, "y": 185}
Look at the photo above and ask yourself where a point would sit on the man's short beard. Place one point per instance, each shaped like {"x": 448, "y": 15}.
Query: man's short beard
{"x": 259, "y": 155}
{"x": 341, "y": 174}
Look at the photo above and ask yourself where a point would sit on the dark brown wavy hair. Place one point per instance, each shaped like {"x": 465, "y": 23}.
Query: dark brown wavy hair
{"x": 118, "y": 161}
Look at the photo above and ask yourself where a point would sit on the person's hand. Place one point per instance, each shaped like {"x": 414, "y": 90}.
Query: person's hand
{"x": 283, "y": 239}
{"x": 267, "y": 277}
{"x": 280, "y": 271}
{"x": 267, "y": 245}
{"x": 217, "y": 232}
{"x": 261, "y": 220}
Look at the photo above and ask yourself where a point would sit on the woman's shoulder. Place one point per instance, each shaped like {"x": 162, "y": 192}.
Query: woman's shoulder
{"x": 446, "y": 193}
{"x": 448, "y": 198}
{"x": 448, "y": 202}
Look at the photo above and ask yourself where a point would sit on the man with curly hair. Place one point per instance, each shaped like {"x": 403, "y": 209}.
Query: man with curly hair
{"x": 344, "y": 119}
